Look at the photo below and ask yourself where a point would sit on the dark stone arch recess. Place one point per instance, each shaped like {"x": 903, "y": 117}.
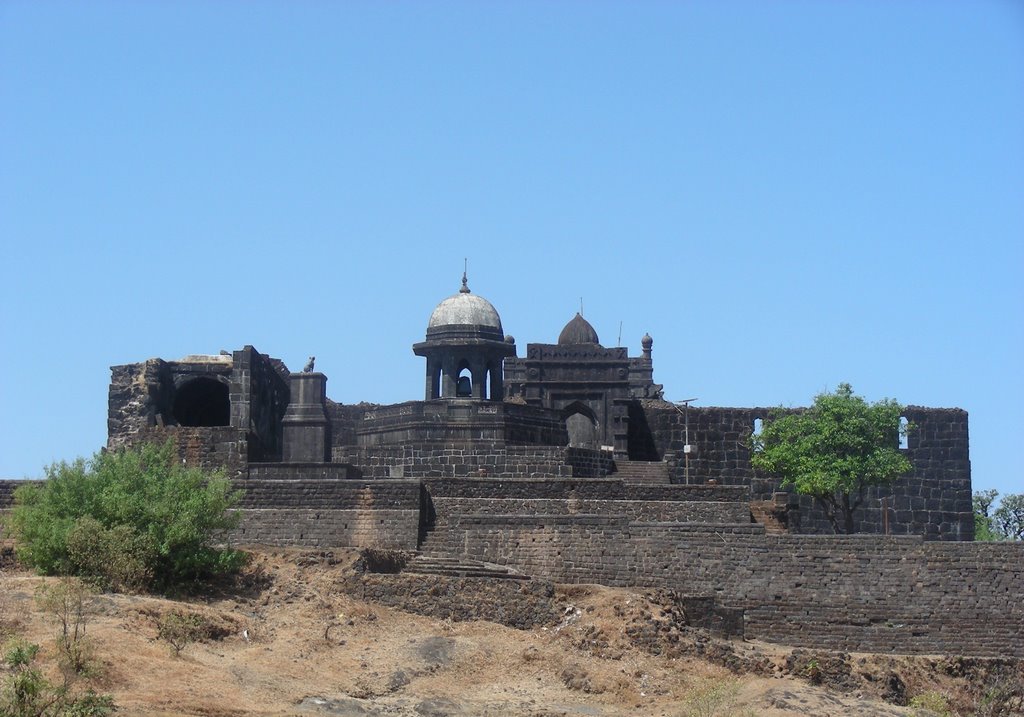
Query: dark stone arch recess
{"x": 202, "y": 402}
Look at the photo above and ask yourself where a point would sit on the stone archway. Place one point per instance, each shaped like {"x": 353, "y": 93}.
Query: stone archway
{"x": 202, "y": 402}
{"x": 582, "y": 425}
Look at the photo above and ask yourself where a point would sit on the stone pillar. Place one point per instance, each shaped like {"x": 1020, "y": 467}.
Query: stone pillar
{"x": 305, "y": 421}
{"x": 497, "y": 381}
{"x": 449, "y": 377}
{"x": 433, "y": 379}
{"x": 479, "y": 372}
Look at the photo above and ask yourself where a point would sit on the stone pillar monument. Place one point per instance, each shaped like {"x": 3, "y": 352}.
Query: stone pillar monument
{"x": 305, "y": 421}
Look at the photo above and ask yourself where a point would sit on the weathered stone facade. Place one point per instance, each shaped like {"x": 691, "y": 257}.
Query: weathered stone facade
{"x": 568, "y": 465}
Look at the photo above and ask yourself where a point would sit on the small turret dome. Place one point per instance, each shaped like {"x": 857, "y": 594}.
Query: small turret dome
{"x": 463, "y": 313}
{"x": 578, "y": 331}
{"x": 647, "y": 342}
{"x": 465, "y": 310}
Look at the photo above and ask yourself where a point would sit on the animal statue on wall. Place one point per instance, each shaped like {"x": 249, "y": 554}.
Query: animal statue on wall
{"x": 308, "y": 368}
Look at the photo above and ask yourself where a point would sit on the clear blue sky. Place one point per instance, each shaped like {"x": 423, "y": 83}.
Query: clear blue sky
{"x": 786, "y": 195}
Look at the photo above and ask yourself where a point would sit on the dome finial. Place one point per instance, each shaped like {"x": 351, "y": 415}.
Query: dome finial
{"x": 465, "y": 281}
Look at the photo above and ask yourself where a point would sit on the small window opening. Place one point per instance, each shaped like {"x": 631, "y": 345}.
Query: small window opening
{"x": 756, "y": 433}
{"x": 904, "y": 438}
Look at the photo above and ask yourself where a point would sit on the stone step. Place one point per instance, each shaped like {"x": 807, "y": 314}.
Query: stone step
{"x": 456, "y": 566}
{"x": 642, "y": 472}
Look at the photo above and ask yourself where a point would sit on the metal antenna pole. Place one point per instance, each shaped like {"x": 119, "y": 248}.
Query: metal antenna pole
{"x": 686, "y": 434}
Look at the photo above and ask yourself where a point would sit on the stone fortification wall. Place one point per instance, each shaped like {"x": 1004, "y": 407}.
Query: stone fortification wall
{"x": 299, "y": 472}
{"x": 590, "y": 488}
{"x": 7, "y": 488}
{"x": 259, "y": 396}
{"x": 344, "y": 418}
{"x": 865, "y": 593}
{"x": 633, "y": 510}
{"x": 478, "y": 459}
{"x": 212, "y": 447}
{"x": 933, "y": 501}
{"x": 328, "y": 513}
{"x": 144, "y": 397}
{"x": 446, "y": 421}
{"x": 138, "y": 393}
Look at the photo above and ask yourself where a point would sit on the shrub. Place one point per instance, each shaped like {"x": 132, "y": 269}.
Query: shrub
{"x": 382, "y": 560}
{"x": 129, "y": 519}
{"x": 180, "y": 628}
{"x": 714, "y": 698}
{"x": 930, "y": 704}
{"x": 27, "y": 693}
{"x": 118, "y": 558}
{"x": 69, "y": 603}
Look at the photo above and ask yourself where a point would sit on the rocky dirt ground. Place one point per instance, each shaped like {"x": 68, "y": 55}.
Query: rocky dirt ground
{"x": 302, "y": 634}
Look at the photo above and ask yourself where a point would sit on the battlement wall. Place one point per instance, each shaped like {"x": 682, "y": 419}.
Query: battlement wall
{"x": 448, "y": 421}
{"x": 635, "y": 510}
{"x": 610, "y": 488}
{"x": 328, "y": 512}
{"x": 7, "y": 488}
{"x": 933, "y": 501}
{"x": 480, "y": 459}
{"x": 208, "y": 447}
{"x": 864, "y": 593}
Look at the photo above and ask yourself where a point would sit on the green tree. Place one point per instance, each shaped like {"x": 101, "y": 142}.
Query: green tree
{"x": 1009, "y": 516}
{"x": 129, "y": 518}
{"x": 1005, "y": 522}
{"x": 984, "y": 528}
{"x": 834, "y": 450}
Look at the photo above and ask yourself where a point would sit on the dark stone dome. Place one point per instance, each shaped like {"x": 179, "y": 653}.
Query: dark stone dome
{"x": 578, "y": 331}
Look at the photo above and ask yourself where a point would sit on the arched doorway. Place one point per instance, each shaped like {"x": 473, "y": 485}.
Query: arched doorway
{"x": 202, "y": 402}
{"x": 582, "y": 425}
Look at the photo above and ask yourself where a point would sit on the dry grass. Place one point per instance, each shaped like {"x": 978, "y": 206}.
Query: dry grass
{"x": 269, "y": 655}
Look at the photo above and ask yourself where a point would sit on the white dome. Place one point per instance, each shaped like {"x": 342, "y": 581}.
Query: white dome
{"x": 465, "y": 309}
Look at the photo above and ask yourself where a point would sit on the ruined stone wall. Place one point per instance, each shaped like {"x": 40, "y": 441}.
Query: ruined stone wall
{"x": 7, "y": 488}
{"x": 259, "y": 398}
{"x": 137, "y": 394}
{"x": 865, "y": 593}
{"x": 933, "y": 501}
{"x": 209, "y": 447}
{"x": 343, "y": 419}
{"x": 329, "y": 513}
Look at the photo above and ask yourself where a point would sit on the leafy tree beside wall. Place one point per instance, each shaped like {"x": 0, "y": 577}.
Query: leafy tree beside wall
{"x": 1005, "y": 522}
{"x": 834, "y": 450}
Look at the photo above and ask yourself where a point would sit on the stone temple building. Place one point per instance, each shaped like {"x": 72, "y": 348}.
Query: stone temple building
{"x": 567, "y": 463}
{"x": 570, "y": 408}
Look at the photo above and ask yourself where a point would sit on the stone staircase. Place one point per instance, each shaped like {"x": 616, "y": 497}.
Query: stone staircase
{"x": 776, "y": 515}
{"x": 459, "y": 567}
{"x": 641, "y": 472}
